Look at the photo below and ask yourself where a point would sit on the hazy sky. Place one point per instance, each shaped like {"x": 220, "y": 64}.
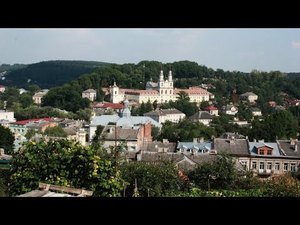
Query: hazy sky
{"x": 228, "y": 49}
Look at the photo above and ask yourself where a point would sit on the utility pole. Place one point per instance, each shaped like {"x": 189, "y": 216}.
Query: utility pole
{"x": 116, "y": 154}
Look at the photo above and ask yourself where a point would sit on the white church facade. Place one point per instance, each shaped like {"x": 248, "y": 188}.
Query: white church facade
{"x": 162, "y": 92}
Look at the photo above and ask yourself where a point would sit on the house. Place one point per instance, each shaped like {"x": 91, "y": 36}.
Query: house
{"x": 107, "y": 106}
{"x": 256, "y": 112}
{"x": 134, "y": 138}
{"x": 274, "y": 158}
{"x": 237, "y": 148}
{"x": 230, "y": 110}
{"x": 212, "y": 110}
{"x": 195, "y": 147}
{"x": 163, "y": 115}
{"x": 158, "y": 146}
{"x": 37, "y": 97}
{"x": 182, "y": 161}
{"x": 76, "y": 134}
{"x": 22, "y": 91}
{"x": 7, "y": 116}
{"x": 163, "y": 91}
{"x": 249, "y": 96}
{"x": 90, "y": 94}
{"x": 2, "y": 88}
{"x": 123, "y": 120}
{"x": 202, "y": 117}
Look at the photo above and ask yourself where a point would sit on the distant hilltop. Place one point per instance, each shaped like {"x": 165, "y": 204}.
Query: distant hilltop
{"x": 46, "y": 74}
{"x": 55, "y": 73}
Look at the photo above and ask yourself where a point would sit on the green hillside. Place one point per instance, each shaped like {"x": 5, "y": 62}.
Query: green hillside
{"x": 47, "y": 74}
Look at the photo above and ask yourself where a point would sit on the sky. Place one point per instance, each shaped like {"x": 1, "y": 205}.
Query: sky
{"x": 228, "y": 49}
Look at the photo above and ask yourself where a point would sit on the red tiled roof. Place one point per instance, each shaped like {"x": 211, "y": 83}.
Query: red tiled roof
{"x": 109, "y": 105}
{"x": 23, "y": 122}
{"x": 211, "y": 107}
{"x": 192, "y": 91}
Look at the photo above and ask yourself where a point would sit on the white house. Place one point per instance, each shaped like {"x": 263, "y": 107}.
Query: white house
{"x": 7, "y": 116}
{"x": 202, "y": 117}
{"x": 249, "y": 96}
{"x": 230, "y": 110}
{"x": 90, "y": 94}
{"x": 162, "y": 115}
{"x": 37, "y": 97}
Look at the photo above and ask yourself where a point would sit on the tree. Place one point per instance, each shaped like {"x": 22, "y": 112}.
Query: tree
{"x": 204, "y": 105}
{"x": 218, "y": 174}
{"x": 55, "y": 132}
{"x": 62, "y": 162}
{"x": 152, "y": 180}
{"x": 154, "y": 104}
{"x": 25, "y": 100}
{"x": 6, "y": 140}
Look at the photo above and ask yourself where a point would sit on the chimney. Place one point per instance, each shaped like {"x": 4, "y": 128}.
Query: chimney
{"x": 165, "y": 141}
{"x": 293, "y": 141}
{"x": 231, "y": 140}
{"x": 201, "y": 140}
{"x": 296, "y": 148}
{"x": 195, "y": 140}
{"x": 1, "y": 151}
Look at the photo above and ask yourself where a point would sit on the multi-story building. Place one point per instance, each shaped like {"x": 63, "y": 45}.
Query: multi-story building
{"x": 162, "y": 92}
{"x": 163, "y": 115}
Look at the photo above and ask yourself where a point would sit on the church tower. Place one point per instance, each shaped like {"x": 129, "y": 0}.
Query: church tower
{"x": 114, "y": 93}
{"x": 165, "y": 87}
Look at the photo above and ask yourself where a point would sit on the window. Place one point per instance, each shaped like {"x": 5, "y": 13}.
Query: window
{"x": 277, "y": 166}
{"x": 166, "y": 92}
{"x": 269, "y": 152}
{"x": 269, "y": 165}
{"x": 261, "y": 152}
{"x": 254, "y": 165}
{"x": 161, "y": 91}
{"x": 285, "y": 166}
{"x": 115, "y": 92}
{"x": 170, "y": 92}
{"x": 244, "y": 164}
{"x": 262, "y": 165}
{"x": 293, "y": 167}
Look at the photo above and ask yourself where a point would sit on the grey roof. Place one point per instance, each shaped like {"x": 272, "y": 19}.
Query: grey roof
{"x": 70, "y": 131}
{"x": 227, "y": 135}
{"x": 247, "y": 94}
{"x": 89, "y": 90}
{"x": 201, "y": 115}
{"x": 228, "y": 107}
{"x": 192, "y": 145}
{"x": 273, "y": 145}
{"x": 157, "y": 157}
{"x": 121, "y": 134}
{"x": 123, "y": 121}
{"x": 288, "y": 149}
{"x": 155, "y": 146}
{"x": 151, "y": 84}
{"x": 161, "y": 112}
{"x": 237, "y": 147}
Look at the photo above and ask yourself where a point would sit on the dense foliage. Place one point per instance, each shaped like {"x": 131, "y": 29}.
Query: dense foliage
{"x": 65, "y": 163}
{"x": 49, "y": 73}
{"x": 152, "y": 180}
{"x": 6, "y": 140}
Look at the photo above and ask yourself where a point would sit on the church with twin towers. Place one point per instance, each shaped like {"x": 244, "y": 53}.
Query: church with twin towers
{"x": 163, "y": 91}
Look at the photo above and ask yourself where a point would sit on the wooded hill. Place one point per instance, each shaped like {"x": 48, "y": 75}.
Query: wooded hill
{"x": 46, "y": 74}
